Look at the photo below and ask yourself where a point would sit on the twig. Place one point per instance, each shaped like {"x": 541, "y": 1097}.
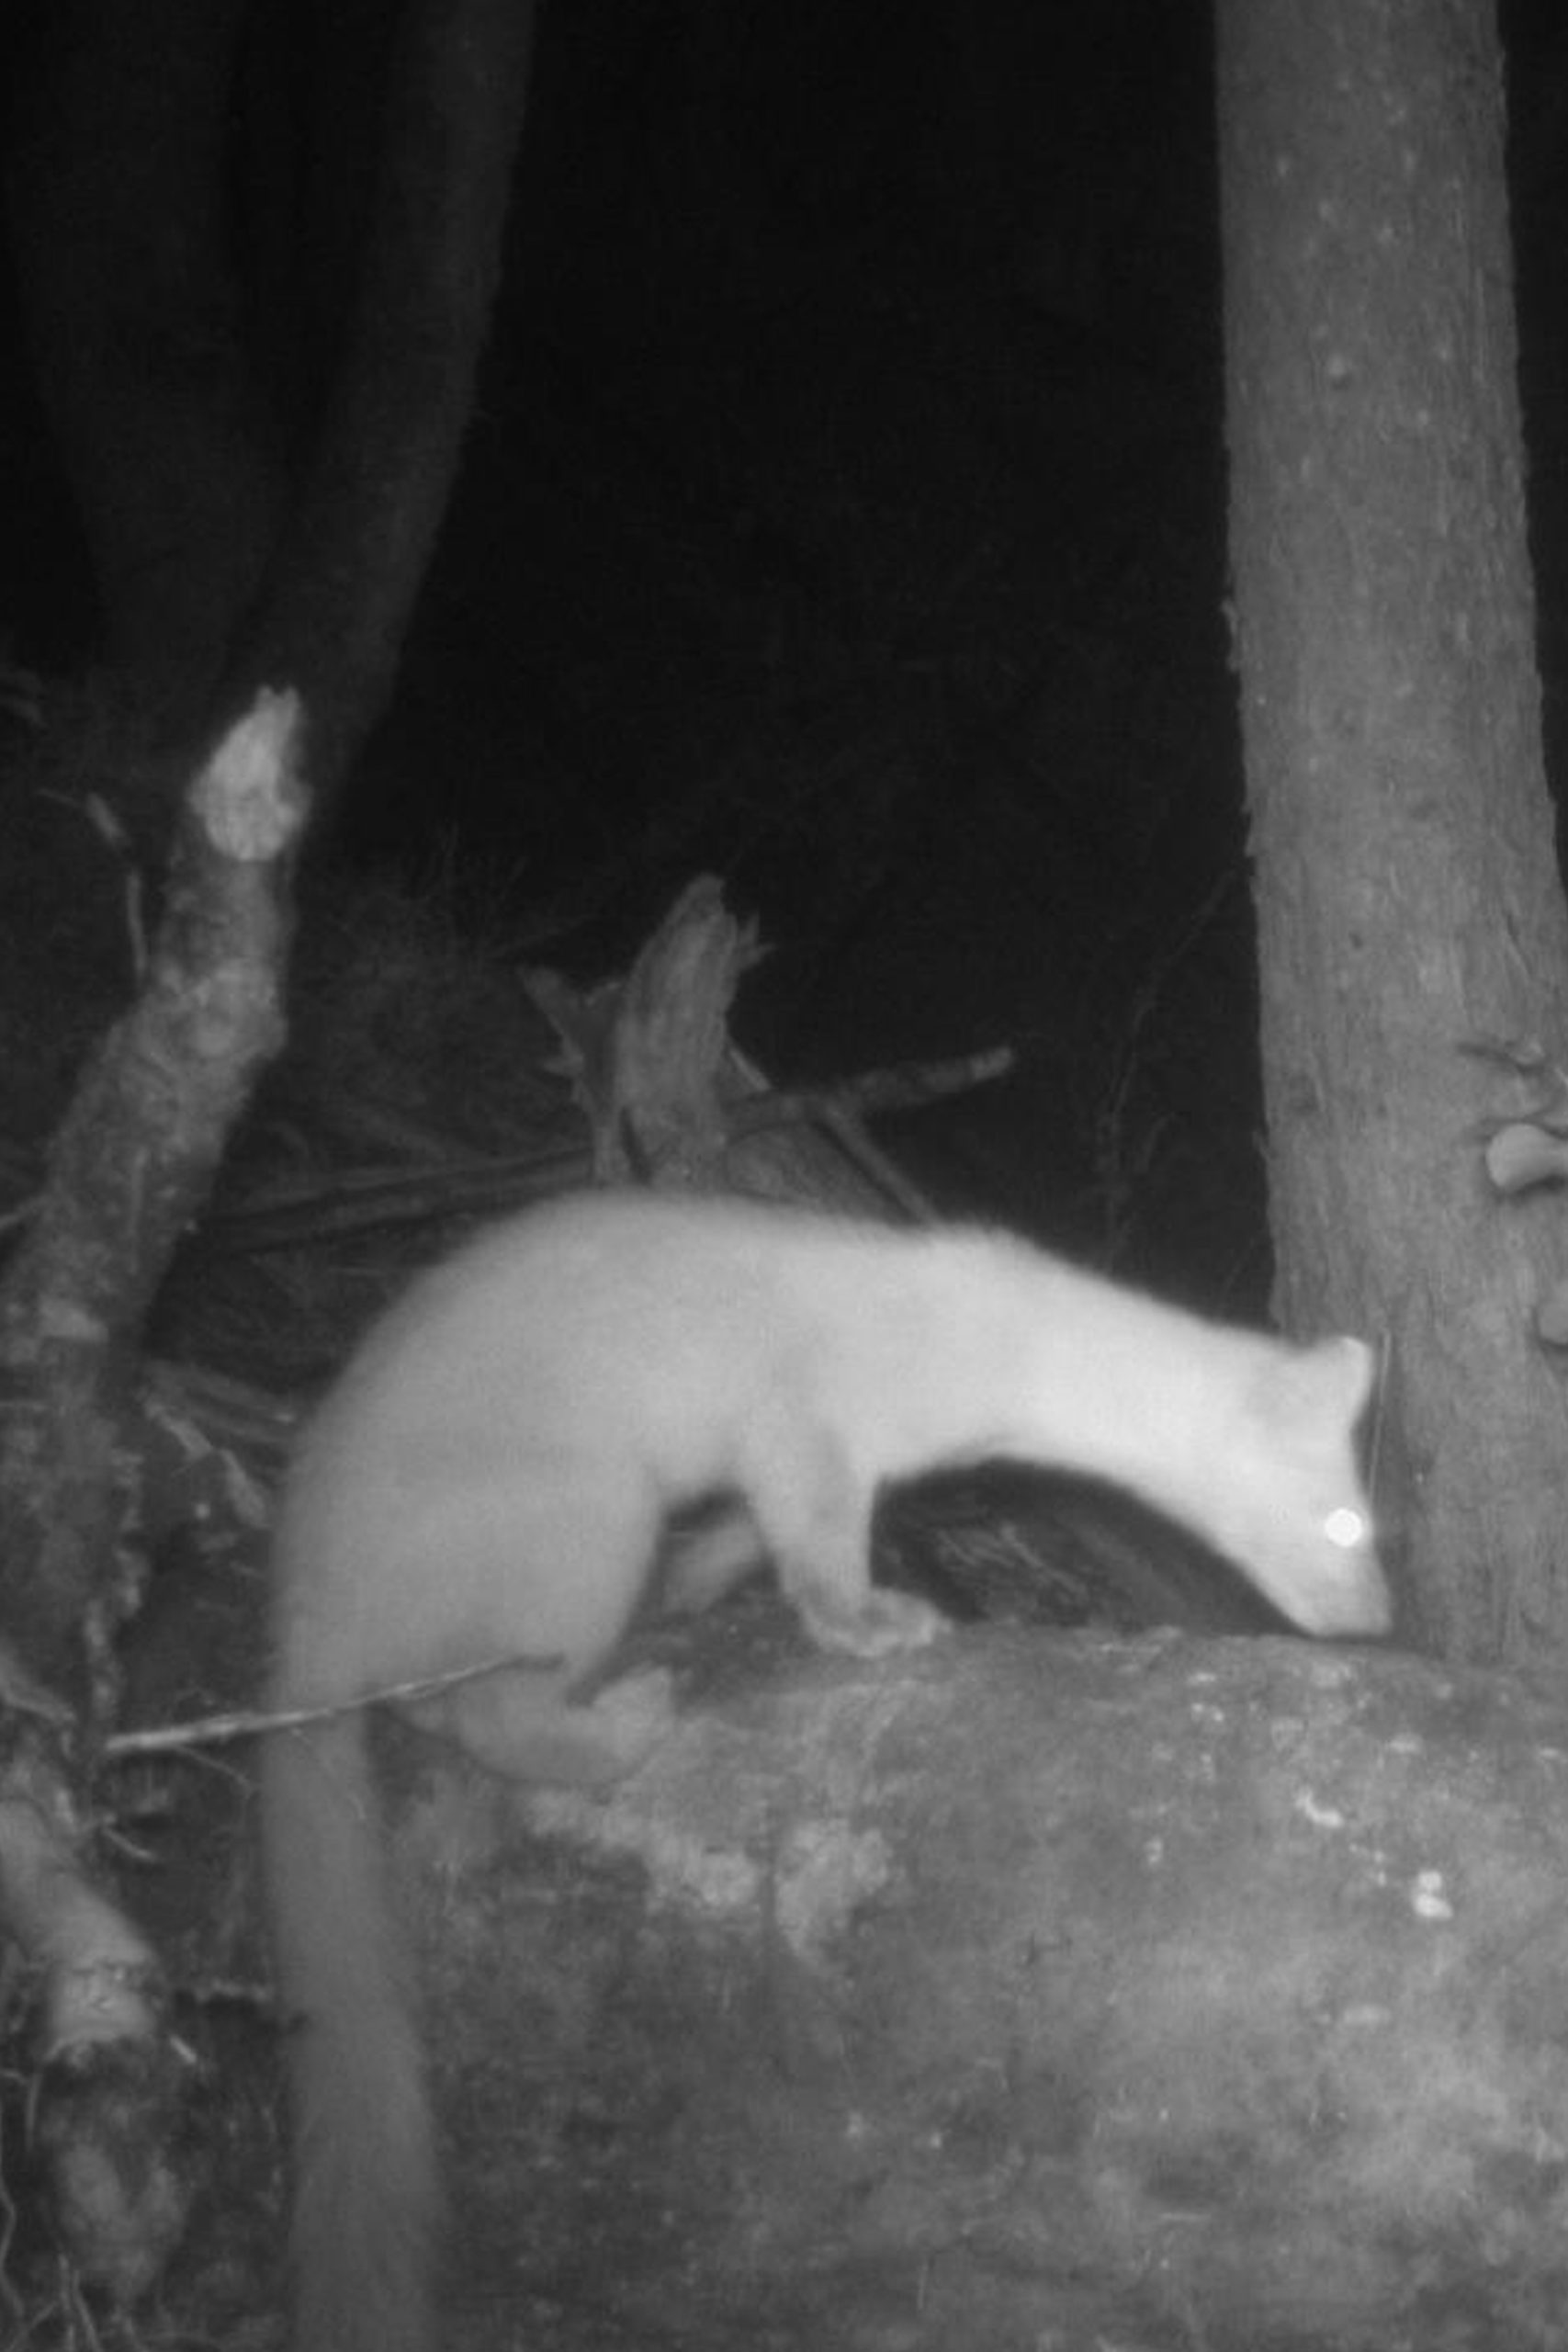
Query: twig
{"x": 214, "y": 1731}
{"x": 903, "y": 1086}
{"x": 361, "y": 1200}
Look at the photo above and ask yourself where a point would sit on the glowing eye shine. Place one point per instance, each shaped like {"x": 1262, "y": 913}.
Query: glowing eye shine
{"x": 1346, "y": 1529}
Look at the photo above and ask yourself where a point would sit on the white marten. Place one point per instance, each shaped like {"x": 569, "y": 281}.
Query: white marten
{"x": 491, "y": 1478}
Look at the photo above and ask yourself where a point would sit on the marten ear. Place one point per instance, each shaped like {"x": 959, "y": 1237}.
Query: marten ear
{"x": 1329, "y": 1381}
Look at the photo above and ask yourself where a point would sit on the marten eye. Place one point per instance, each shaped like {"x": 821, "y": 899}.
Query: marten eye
{"x": 1346, "y": 1529}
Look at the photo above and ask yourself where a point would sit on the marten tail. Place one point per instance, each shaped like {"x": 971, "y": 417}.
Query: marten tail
{"x": 365, "y": 2197}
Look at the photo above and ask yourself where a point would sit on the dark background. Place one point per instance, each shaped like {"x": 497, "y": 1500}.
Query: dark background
{"x": 843, "y": 513}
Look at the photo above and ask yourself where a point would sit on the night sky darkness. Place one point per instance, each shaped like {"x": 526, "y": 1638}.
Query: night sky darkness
{"x": 843, "y": 512}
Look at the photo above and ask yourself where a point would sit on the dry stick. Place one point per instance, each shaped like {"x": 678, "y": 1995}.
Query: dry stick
{"x": 901, "y": 1086}
{"x": 357, "y": 1199}
{"x": 215, "y": 1731}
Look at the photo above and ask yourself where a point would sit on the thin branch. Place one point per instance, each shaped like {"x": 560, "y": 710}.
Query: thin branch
{"x": 363, "y": 1200}
{"x": 215, "y": 1731}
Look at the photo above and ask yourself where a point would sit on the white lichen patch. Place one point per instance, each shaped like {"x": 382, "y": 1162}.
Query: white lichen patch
{"x": 1427, "y": 1899}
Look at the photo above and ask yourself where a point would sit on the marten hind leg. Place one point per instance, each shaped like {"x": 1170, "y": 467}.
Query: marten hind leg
{"x": 555, "y": 1569}
{"x": 521, "y": 1728}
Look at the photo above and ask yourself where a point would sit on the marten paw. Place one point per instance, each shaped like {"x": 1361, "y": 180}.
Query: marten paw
{"x": 877, "y": 1623}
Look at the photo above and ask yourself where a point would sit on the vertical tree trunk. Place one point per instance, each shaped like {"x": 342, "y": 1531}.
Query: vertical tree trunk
{"x": 1407, "y": 892}
{"x": 118, "y": 226}
{"x": 217, "y": 571}
{"x": 332, "y": 614}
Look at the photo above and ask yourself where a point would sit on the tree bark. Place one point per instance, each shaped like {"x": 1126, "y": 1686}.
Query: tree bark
{"x": 1063, "y": 1990}
{"x": 117, "y": 216}
{"x": 130, "y": 1164}
{"x": 334, "y": 612}
{"x": 130, "y": 1168}
{"x": 225, "y": 561}
{"x": 1407, "y": 894}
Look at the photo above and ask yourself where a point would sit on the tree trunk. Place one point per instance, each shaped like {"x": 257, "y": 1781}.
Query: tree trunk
{"x": 130, "y": 1164}
{"x": 1407, "y": 892}
{"x": 333, "y": 615}
{"x": 218, "y": 571}
{"x": 117, "y": 214}
{"x": 130, "y": 1168}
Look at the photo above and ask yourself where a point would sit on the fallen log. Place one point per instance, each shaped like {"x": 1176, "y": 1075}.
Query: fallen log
{"x": 1038, "y": 1990}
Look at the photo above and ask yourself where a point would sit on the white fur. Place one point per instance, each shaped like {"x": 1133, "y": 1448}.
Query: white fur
{"x": 491, "y": 1478}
